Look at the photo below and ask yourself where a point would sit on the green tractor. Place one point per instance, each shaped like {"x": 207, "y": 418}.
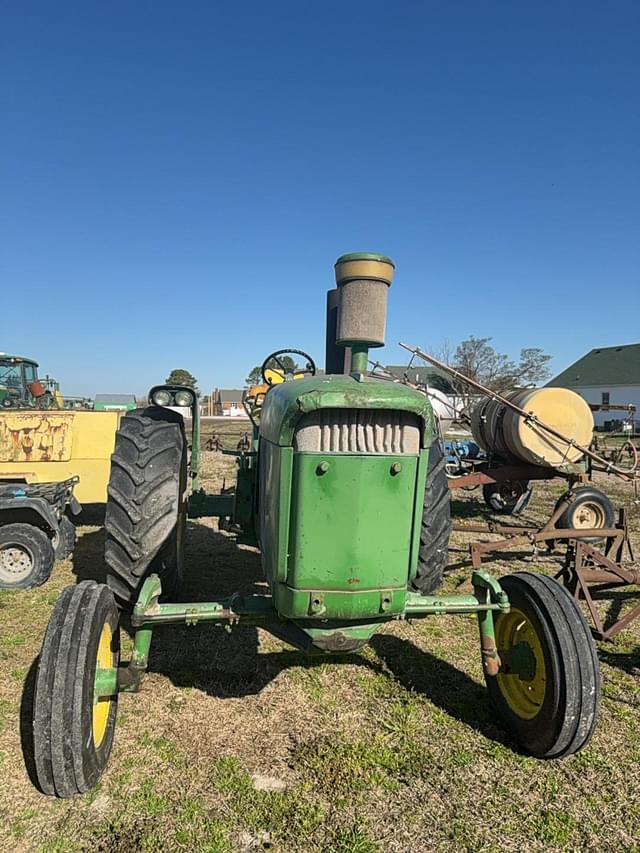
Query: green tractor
{"x": 344, "y": 490}
{"x": 20, "y": 387}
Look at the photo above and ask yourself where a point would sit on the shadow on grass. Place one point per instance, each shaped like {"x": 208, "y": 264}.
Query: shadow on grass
{"x": 222, "y": 663}
{"x": 26, "y": 723}
{"x": 88, "y": 557}
{"x": 441, "y": 683}
{"x": 229, "y": 664}
{"x": 628, "y": 662}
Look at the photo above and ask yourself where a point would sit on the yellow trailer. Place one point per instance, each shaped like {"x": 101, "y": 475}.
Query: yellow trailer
{"x": 50, "y": 446}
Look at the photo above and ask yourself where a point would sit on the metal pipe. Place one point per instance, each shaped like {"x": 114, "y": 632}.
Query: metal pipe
{"x": 337, "y": 358}
{"x": 359, "y": 358}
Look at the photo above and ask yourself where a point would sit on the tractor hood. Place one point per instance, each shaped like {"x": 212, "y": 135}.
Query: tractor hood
{"x": 286, "y": 403}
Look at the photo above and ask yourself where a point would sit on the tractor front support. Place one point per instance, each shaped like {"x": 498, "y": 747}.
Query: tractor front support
{"x": 258, "y": 610}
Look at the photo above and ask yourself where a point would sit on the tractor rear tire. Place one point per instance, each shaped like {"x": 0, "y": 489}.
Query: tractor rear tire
{"x": 436, "y": 525}
{"x": 551, "y": 705}
{"x": 146, "y": 515}
{"x": 73, "y": 732}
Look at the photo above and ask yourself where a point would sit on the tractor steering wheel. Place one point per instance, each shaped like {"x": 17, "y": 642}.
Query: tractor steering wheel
{"x": 287, "y": 374}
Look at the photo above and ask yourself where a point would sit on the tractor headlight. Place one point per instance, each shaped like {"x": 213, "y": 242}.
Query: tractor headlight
{"x": 184, "y": 398}
{"x": 161, "y": 398}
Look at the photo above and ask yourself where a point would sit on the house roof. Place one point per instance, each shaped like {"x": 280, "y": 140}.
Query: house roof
{"x": 603, "y": 366}
{"x": 230, "y": 395}
{"x": 115, "y": 399}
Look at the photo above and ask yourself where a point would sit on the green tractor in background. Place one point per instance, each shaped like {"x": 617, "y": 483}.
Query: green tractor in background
{"x": 20, "y": 387}
{"x": 345, "y": 492}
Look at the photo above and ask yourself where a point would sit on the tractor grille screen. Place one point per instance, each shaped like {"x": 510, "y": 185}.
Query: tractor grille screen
{"x": 358, "y": 431}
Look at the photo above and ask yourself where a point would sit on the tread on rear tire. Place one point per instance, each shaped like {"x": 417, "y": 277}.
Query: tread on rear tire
{"x": 145, "y": 521}
{"x": 436, "y": 525}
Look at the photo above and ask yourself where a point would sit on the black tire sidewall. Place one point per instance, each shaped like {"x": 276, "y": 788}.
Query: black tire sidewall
{"x": 66, "y": 759}
{"x": 89, "y": 760}
{"x": 37, "y": 544}
{"x": 539, "y": 734}
{"x": 435, "y": 525}
{"x": 168, "y": 564}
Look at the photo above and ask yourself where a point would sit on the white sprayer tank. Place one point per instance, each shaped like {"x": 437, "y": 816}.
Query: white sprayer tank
{"x": 499, "y": 429}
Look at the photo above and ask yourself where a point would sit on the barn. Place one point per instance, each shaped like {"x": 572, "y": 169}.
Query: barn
{"x": 609, "y": 380}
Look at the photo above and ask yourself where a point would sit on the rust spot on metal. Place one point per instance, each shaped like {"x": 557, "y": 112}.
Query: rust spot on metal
{"x": 490, "y": 657}
{"x": 35, "y": 437}
{"x": 351, "y": 581}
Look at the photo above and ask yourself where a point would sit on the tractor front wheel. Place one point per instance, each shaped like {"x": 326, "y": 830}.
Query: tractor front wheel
{"x": 547, "y": 691}
{"x": 436, "y": 525}
{"x": 146, "y": 513}
{"x": 73, "y": 725}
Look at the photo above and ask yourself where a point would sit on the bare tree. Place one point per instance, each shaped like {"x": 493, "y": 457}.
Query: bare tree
{"x": 479, "y": 360}
{"x": 533, "y": 367}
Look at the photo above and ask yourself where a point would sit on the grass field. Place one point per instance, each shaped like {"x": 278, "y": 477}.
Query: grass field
{"x": 238, "y": 743}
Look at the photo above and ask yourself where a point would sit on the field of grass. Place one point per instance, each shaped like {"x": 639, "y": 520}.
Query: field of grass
{"x": 239, "y": 743}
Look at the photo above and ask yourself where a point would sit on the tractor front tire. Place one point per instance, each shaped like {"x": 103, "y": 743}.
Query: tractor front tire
{"x": 146, "y": 514}
{"x": 436, "y": 525}
{"x": 547, "y": 691}
{"x": 26, "y": 556}
{"x": 72, "y": 730}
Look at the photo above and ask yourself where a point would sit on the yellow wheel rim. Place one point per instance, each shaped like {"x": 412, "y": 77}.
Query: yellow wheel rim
{"x": 523, "y": 691}
{"x": 588, "y": 516}
{"x": 101, "y": 707}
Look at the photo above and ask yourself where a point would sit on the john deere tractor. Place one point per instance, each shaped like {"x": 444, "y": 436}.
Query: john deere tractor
{"x": 345, "y": 492}
{"x": 20, "y": 387}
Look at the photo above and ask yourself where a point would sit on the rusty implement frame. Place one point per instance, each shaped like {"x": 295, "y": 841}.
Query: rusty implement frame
{"x": 484, "y": 474}
{"x": 588, "y": 571}
{"x": 617, "y": 537}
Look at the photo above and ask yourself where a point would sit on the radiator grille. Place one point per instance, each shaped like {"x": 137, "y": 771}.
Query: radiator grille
{"x": 358, "y": 431}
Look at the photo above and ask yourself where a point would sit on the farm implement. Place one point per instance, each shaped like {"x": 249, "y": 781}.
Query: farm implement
{"x": 344, "y": 490}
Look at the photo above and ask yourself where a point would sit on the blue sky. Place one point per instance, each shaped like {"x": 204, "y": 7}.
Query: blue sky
{"x": 177, "y": 179}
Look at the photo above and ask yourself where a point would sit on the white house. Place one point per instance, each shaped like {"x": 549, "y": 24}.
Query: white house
{"x": 607, "y": 377}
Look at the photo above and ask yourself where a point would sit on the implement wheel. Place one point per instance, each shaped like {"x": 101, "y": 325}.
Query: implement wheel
{"x": 589, "y": 509}
{"x": 146, "y": 512}
{"x": 73, "y": 731}
{"x": 436, "y": 525}
{"x": 26, "y": 556}
{"x": 509, "y": 497}
{"x": 547, "y": 692}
